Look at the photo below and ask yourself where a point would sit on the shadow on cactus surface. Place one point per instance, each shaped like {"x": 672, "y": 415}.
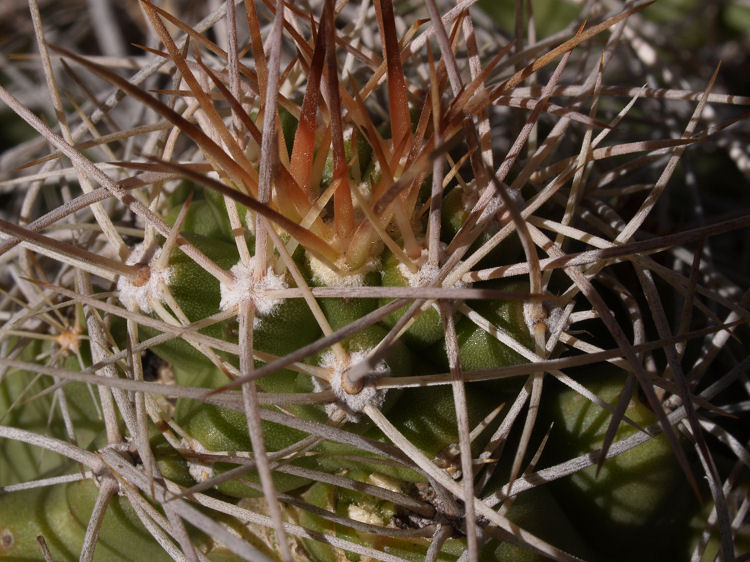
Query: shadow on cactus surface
{"x": 374, "y": 281}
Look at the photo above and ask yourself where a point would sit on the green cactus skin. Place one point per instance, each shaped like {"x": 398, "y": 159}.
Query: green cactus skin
{"x": 21, "y": 461}
{"x": 219, "y": 429}
{"x": 537, "y": 511}
{"x": 427, "y": 329}
{"x": 60, "y": 514}
{"x": 480, "y": 350}
{"x": 197, "y": 293}
{"x": 628, "y": 503}
{"x": 454, "y": 215}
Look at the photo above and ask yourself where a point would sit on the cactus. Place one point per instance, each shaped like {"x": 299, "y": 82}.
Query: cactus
{"x": 365, "y": 282}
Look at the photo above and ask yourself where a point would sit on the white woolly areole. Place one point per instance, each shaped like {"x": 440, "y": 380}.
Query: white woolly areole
{"x": 492, "y": 208}
{"x": 247, "y": 287}
{"x": 142, "y": 297}
{"x": 351, "y": 404}
{"x": 496, "y": 206}
{"x": 536, "y": 313}
{"x": 555, "y": 318}
{"x": 200, "y": 471}
{"x": 423, "y": 277}
{"x": 323, "y": 275}
{"x": 426, "y": 273}
{"x": 250, "y": 220}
